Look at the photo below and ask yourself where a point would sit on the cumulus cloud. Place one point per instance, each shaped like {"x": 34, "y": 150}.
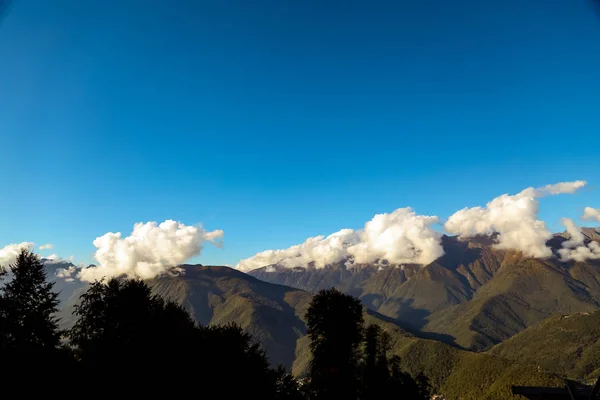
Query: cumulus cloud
{"x": 46, "y": 247}
{"x": 9, "y": 253}
{"x": 398, "y": 237}
{"x": 560, "y": 188}
{"x": 581, "y": 253}
{"x": 576, "y": 237}
{"x": 591, "y": 214}
{"x": 574, "y": 249}
{"x": 318, "y": 251}
{"x": 148, "y": 251}
{"x": 513, "y": 217}
{"x": 67, "y": 274}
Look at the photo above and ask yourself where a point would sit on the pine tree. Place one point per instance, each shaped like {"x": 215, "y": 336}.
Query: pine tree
{"x": 29, "y": 306}
{"x": 29, "y": 334}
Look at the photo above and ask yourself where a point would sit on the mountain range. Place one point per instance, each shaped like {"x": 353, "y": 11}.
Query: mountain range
{"x": 274, "y": 315}
{"x": 476, "y": 321}
{"x": 474, "y": 296}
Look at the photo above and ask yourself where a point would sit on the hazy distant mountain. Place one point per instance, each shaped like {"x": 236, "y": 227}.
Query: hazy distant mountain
{"x": 64, "y": 288}
{"x": 474, "y": 296}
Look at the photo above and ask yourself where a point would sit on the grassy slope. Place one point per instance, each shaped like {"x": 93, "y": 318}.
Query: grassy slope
{"x": 568, "y": 345}
{"x": 523, "y": 292}
{"x": 458, "y": 374}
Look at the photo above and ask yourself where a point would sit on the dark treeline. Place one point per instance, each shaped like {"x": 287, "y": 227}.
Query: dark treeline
{"x": 128, "y": 342}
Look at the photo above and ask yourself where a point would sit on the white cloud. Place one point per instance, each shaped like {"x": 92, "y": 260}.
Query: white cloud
{"x": 150, "y": 250}
{"x": 9, "y": 253}
{"x": 576, "y": 236}
{"x": 67, "y": 273}
{"x": 591, "y": 214}
{"x": 581, "y": 253}
{"x": 513, "y": 217}
{"x": 399, "y": 237}
{"x": 560, "y": 188}
{"x": 318, "y": 250}
{"x": 45, "y": 247}
{"x": 574, "y": 248}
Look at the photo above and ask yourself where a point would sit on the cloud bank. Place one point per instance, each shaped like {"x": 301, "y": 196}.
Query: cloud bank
{"x": 67, "y": 273}
{"x": 405, "y": 237}
{"x": 45, "y": 247}
{"x": 150, "y": 250}
{"x": 513, "y": 217}
{"x": 9, "y": 253}
{"x": 574, "y": 249}
{"x": 591, "y": 214}
{"x": 398, "y": 237}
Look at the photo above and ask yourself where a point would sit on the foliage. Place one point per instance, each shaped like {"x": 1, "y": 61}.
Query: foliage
{"x": 335, "y": 328}
{"x": 349, "y": 361}
{"x": 123, "y": 328}
{"x": 382, "y": 375}
{"x": 29, "y": 334}
{"x": 29, "y": 305}
{"x": 451, "y": 372}
{"x": 287, "y": 387}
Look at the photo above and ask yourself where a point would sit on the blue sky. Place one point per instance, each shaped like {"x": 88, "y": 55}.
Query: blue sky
{"x": 279, "y": 120}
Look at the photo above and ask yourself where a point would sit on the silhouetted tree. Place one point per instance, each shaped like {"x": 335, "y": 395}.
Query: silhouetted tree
{"x": 287, "y": 387}
{"x": 237, "y": 365}
{"x": 375, "y": 373}
{"x": 29, "y": 334}
{"x": 30, "y": 306}
{"x": 124, "y": 330}
{"x": 335, "y": 328}
{"x": 3, "y": 333}
{"x": 403, "y": 382}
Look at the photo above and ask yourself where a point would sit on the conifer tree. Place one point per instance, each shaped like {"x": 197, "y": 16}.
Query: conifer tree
{"x": 29, "y": 306}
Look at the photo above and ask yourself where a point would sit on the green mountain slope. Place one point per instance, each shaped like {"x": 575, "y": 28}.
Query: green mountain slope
{"x": 274, "y": 314}
{"x": 568, "y": 345}
{"x": 523, "y": 292}
{"x": 221, "y": 295}
{"x": 474, "y": 296}
{"x": 457, "y": 374}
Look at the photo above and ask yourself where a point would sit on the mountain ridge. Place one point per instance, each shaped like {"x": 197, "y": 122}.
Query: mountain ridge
{"x": 274, "y": 315}
{"x": 474, "y": 296}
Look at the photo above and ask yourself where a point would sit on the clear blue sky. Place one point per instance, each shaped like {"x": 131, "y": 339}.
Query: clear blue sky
{"x": 278, "y": 120}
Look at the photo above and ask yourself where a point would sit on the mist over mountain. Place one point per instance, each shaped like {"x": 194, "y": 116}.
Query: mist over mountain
{"x": 474, "y": 296}
{"x": 63, "y": 285}
{"x": 442, "y": 316}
